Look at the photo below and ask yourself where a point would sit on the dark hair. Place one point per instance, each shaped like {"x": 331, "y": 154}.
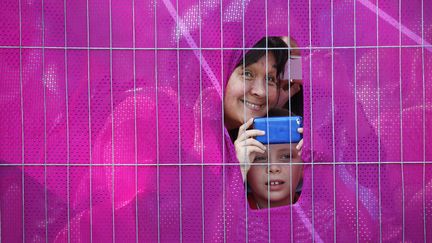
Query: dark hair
{"x": 281, "y": 55}
{"x": 296, "y": 103}
{"x": 275, "y": 112}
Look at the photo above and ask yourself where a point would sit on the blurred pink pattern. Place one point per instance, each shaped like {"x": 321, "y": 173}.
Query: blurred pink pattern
{"x": 93, "y": 135}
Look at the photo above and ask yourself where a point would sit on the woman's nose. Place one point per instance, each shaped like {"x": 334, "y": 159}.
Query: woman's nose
{"x": 258, "y": 87}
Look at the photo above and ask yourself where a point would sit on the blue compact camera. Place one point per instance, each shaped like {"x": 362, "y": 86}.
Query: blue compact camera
{"x": 281, "y": 129}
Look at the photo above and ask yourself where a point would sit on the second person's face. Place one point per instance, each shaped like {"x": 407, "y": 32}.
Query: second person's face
{"x": 247, "y": 90}
{"x": 278, "y": 180}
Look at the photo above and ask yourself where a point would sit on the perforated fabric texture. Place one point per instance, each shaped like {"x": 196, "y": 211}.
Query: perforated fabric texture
{"x": 112, "y": 121}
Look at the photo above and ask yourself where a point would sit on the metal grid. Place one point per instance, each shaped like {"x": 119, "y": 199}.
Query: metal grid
{"x": 379, "y": 14}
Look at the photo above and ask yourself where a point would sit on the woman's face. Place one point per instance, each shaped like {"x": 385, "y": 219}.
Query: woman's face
{"x": 247, "y": 90}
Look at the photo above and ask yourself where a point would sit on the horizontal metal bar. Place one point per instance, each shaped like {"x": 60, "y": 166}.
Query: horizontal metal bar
{"x": 223, "y": 164}
{"x": 213, "y": 48}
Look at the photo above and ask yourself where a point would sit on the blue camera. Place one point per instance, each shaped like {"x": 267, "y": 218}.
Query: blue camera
{"x": 281, "y": 129}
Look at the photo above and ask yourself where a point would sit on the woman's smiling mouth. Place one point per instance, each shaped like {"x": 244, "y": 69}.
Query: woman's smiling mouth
{"x": 252, "y": 106}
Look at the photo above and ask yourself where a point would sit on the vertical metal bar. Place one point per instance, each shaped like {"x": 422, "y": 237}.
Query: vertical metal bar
{"x": 401, "y": 121}
{"x": 89, "y": 121}
{"x": 0, "y": 227}
{"x": 267, "y": 133}
{"x": 311, "y": 119}
{"x": 135, "y": 120}
{"x": 201, "y": 125}
{"x": 245, "y": 183}
{"x": 67, "y": 122}
{"x": 22, "y": 123}
{"x": 112, "y": 120}
{"x": 157, "y": 122}
{"x": 333, "y": 128}
{"x": 45, "y": 123}
{"x": 179, "y": 122}
{"x": 289, "y": 109}
{"x": 356, "y": 125}
{"x": 223, "y": 124}
{"x": 394, "y": 23}
{"x": 379, "y": 122}
{"x": 424, "y": 124}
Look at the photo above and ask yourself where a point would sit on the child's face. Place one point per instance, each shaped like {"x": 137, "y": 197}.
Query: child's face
{"x": 279, "y": 187}
{"x": 247, "y": 90}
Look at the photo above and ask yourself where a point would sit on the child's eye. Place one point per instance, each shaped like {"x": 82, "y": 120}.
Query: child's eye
{"x": 260, "y": 159}
{"x": 285, "y": 157}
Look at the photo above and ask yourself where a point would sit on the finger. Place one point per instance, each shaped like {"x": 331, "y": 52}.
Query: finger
{"x": 294, "y": 89}
{"x": 300, "y": 145}
{"x": 243, "y": 128}
{"x": 250, "y": 133}
{"x": 247, "y": 154}
{"x": 246, "y": 125}
{"x": 255, "y": 149}
{"x": 300, "y": 130}
{"x": 298, "y": 81}
{"x": 253, "y": 142}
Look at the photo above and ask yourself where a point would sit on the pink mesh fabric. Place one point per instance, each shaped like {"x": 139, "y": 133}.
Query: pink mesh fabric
{"x": 120, "y": 135}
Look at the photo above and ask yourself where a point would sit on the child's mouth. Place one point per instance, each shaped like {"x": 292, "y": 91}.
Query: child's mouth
{"x": 275, "y": 183}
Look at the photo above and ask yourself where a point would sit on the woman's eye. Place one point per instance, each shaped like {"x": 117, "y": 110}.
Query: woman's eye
{"x": 272, "y": 80}
{"x": 247, "y": 74}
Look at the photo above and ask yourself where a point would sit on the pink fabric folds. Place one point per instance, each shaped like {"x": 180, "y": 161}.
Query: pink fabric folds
{"x": 112, "y": 121}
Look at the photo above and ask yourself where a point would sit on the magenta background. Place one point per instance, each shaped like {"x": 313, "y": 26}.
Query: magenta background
{"x": 88, "y": 117}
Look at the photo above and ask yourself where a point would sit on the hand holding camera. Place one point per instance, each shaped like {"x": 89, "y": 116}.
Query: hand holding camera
{"x": 247, "y": 147}
{"x": 250, "y": 143}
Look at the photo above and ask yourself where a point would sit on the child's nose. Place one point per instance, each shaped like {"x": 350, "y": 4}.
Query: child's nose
{"x": 274, "y": 168}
